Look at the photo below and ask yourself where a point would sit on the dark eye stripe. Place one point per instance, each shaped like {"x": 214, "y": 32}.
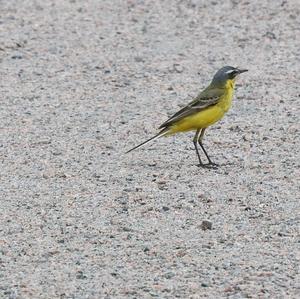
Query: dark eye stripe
{"x": 231, "y": 72}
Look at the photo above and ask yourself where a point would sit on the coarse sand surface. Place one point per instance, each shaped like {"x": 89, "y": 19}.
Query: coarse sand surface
{"x": 81, "y": 82}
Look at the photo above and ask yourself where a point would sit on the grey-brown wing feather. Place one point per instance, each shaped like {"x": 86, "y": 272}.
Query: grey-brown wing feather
{"x": 203, "y": 100}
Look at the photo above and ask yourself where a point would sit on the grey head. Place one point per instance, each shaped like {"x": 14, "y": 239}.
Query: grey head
{"x": 224, "y": 74}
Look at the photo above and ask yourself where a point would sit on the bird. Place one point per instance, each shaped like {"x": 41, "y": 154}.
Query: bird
{"x": 208, "y": 107}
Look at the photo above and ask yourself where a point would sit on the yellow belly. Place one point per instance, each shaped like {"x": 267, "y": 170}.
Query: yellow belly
{"x": 204, "y": 118}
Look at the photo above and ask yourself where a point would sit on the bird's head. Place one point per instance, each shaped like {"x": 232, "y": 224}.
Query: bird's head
{"x": 225, "y": 75}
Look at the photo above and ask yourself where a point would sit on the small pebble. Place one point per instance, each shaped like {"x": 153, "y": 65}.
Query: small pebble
{"x": 205, "y": 225}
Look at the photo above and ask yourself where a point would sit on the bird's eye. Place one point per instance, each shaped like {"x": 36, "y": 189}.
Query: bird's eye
{"x": 232, "y": 73}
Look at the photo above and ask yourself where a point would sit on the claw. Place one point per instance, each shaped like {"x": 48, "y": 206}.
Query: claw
{"x": 213, "y": 164}
{"x": 209, "y": 165}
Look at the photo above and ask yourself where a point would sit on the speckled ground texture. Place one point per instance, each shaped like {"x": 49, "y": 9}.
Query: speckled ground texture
{"x": 84, "y": 81}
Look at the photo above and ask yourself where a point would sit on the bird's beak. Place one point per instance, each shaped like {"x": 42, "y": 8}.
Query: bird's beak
{"x": 242, "y": 71}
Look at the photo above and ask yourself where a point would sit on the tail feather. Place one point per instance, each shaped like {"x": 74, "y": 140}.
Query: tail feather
{"x": 161, "y": 133}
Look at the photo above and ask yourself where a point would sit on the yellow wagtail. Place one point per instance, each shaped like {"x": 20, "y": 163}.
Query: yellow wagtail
{"x": 207, "y": 108}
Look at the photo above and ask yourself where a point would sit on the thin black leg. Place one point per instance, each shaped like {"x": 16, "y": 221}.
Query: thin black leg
{"x": 205, "y": 152}
{"x": 210, "y": 162}
{"x": 195, "y": 141}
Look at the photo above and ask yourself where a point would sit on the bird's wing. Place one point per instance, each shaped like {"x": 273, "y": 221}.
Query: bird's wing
{"x": 205, "y": 99}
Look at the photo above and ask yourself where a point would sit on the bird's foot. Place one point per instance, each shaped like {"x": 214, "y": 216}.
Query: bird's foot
{"x": 212, "y": 164}
{"x": 209, "y": 165}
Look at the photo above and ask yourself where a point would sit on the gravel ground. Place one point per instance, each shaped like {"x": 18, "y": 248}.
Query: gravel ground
{"x": 82, "y": 82}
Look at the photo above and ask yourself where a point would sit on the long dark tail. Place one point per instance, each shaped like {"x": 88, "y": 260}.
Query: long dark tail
{"x": 161, "y": 133}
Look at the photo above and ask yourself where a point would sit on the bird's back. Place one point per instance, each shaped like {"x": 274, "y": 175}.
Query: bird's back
{"x": 206, "y": 109}
{"x": 205, "y": 99}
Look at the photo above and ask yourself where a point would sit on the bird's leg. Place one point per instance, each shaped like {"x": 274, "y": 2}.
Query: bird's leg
{"x": 195, "y": 140}
{"x": 200, "y": 138}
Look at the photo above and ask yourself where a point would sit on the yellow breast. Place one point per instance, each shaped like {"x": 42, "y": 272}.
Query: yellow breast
{"x": 225, "y": 101}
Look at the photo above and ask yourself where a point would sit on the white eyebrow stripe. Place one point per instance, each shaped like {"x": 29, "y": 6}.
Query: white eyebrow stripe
{"x": 230, "y": 71}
